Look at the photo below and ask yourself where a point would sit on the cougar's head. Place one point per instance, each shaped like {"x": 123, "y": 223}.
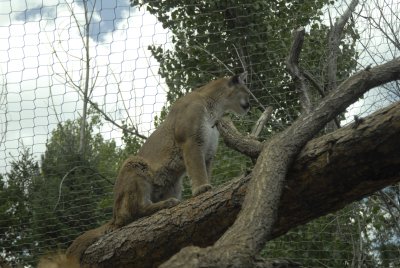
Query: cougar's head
{"x": 238, "y": 94}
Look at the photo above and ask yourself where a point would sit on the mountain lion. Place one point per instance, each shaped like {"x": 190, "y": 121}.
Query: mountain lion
{"x": 185, "y": 142}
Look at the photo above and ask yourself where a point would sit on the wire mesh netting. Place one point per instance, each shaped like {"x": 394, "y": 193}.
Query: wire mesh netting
{"x": 83, "y": 83}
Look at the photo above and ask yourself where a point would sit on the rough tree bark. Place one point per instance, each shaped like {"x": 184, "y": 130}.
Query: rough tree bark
{"x": 330, "y": 172}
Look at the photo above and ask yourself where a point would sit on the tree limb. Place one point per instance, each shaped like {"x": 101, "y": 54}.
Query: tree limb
{"x": 292, "y": 65}
{"x": 335, "y": 36}
{"x": 134, "y": 130}
{"x": 259, "y": 125}
{"x": 330, "y": 172}
{"x": 333, "y": 45}
{"x": 234, "y": 139}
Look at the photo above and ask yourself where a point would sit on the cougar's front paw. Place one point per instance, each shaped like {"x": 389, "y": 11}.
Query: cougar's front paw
{"x": 201, "y": 189}
{"x": 171, "y": 202}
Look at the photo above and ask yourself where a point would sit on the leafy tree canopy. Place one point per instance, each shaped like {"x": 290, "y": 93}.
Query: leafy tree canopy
{"x": 215, "y": 38}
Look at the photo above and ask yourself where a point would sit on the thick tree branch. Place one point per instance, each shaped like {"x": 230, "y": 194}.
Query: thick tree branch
{"x": 247, "y": 145}
{"x": 330, "y": 172}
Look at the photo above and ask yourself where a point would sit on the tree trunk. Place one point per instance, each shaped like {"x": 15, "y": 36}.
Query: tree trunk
{"x": 330, "y": 172}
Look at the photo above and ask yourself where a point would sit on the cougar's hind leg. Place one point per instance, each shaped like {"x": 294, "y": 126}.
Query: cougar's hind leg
{"x": 147, "y": 207}
{"x": 175, "y": 190}
{"x": 132, "y": 194}
{"x": 126, "y": 200}
{"x": 128, "y": 191}
{"x": 135, "y": 202}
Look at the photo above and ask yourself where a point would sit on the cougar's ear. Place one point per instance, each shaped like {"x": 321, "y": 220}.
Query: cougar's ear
{"x": 238, "y": 79}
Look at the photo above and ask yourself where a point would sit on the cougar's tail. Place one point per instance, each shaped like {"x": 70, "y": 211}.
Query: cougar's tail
{"x": 82, "y": 242}
{"x": 58, "y": 260}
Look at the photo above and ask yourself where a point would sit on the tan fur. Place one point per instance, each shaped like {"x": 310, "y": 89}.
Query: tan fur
{"x": 58, "y": 260}
{"x": 185, "y": 142}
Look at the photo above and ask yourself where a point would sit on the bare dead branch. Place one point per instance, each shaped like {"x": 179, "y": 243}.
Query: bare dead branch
{"x": 4, "y": 108}
{"x": 123, "y": 101}
{"x": 259, "y": 125}
{"x": 86, "y": 44}
{"x": 335, "y": 37}
{"x": 320, "y": 90}
{"x": 134, "y": 132}
{"x": 292, "y": 65}
{"x": 86, "y": 90}
{"x": 314, "y": 82}
{"x": 392, "y": 34}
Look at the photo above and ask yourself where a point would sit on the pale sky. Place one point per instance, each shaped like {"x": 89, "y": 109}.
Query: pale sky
{"x": 36, "y": 95}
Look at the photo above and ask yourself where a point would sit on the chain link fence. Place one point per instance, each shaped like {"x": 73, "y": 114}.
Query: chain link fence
{"x": 84, "y": 82}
